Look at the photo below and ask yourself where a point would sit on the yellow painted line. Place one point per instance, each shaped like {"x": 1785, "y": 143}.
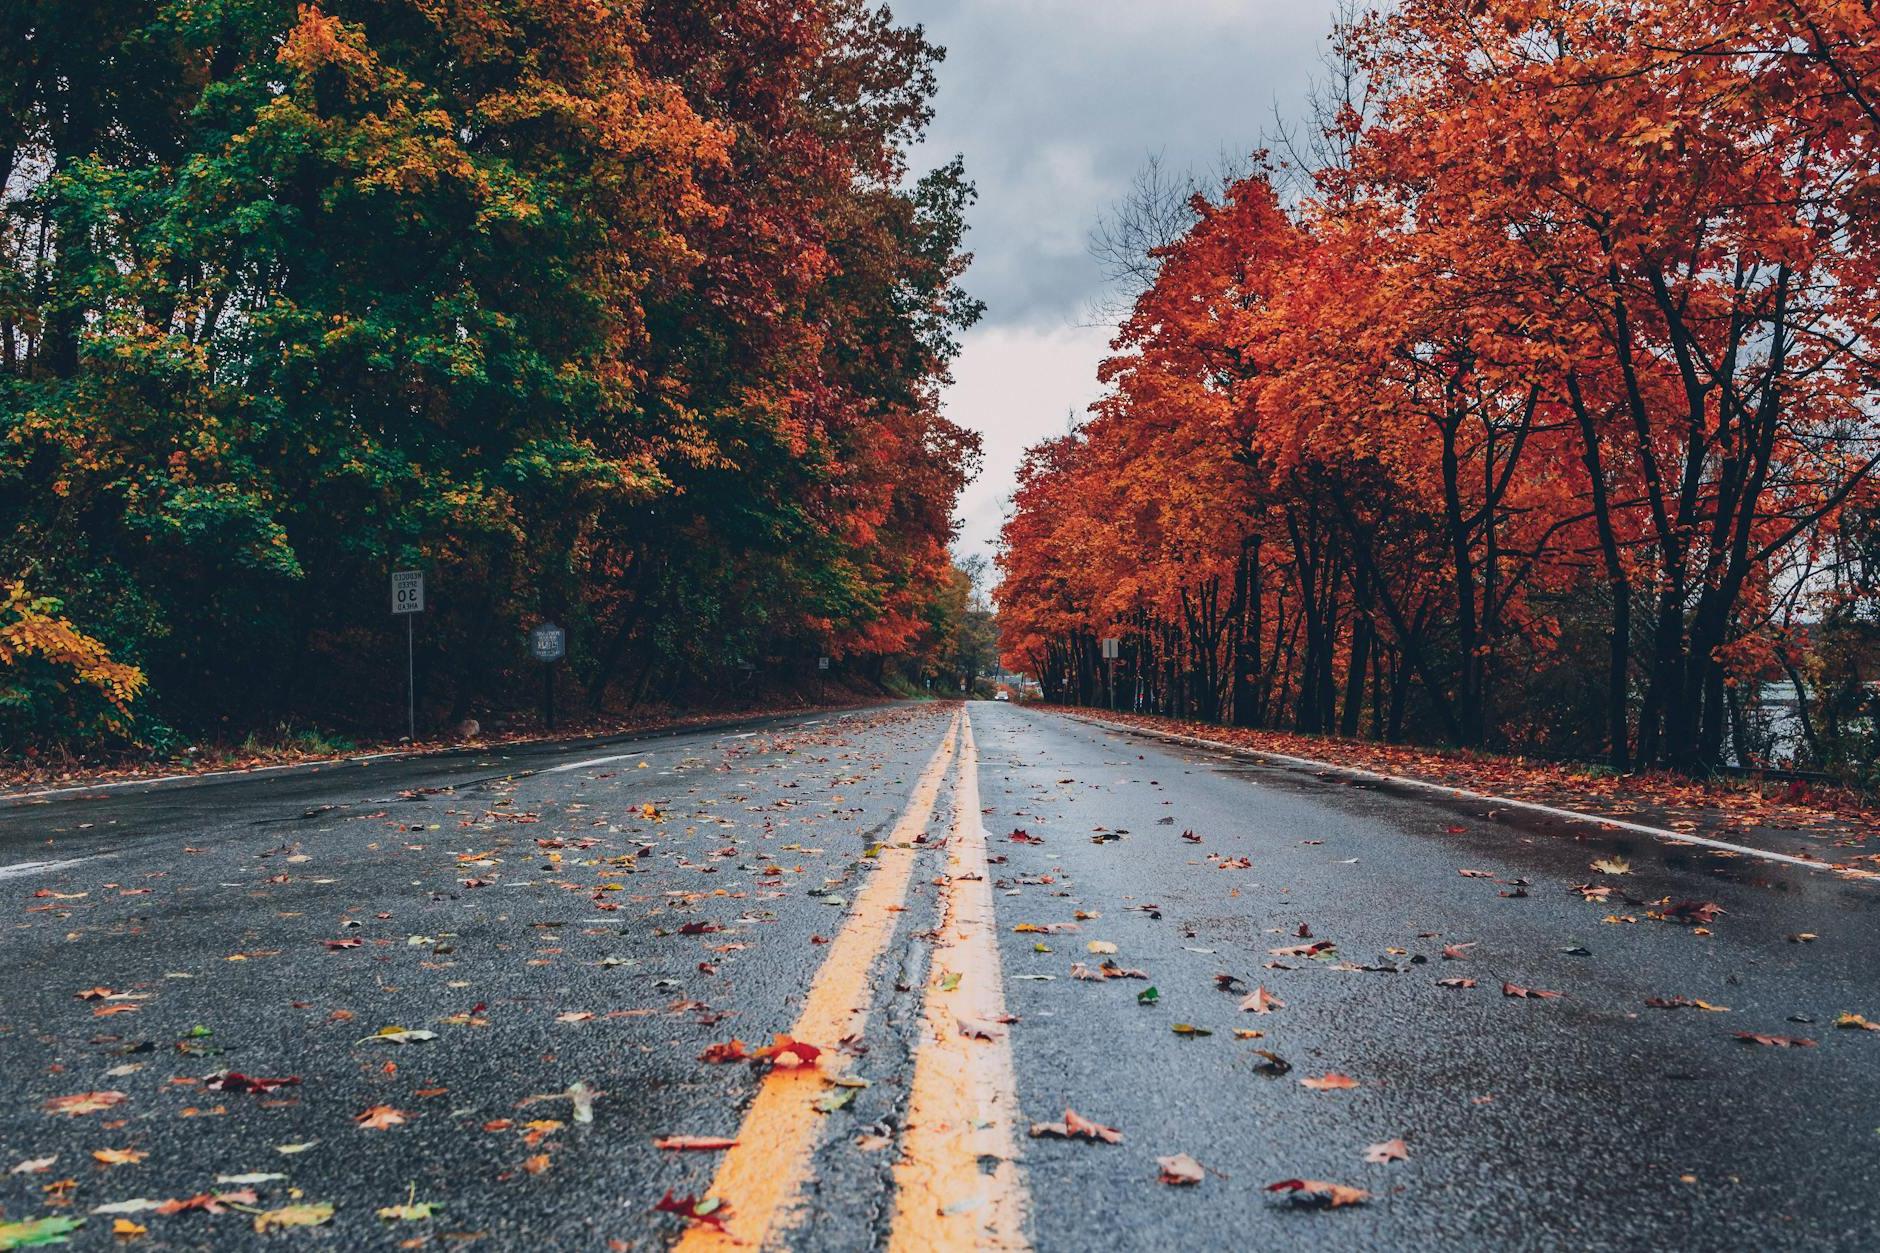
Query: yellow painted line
{"x": 761, "y": 1179}
{"x": 957, "y": 1183}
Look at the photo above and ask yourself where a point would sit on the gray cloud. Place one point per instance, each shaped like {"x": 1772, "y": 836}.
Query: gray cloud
{"x": 1055, "y": 105}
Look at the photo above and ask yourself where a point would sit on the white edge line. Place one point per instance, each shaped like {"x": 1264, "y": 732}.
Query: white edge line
{"x": 21, "y": 869}
{"x": 1449, "y": 791}
{"x": 592, "y": 761}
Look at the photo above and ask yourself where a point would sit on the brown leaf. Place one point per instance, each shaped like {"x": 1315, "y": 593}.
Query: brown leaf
{"x": 1387, "y": 1151}
{"x": 1318, "y": 1192}
{"x": 1776, "y": 1041}
{"x": 1532, "y": 994}
{"x": 1702, "y": 913}
{"x": 118, "y": 1157}
{"x": 1076, "y": 1127}
{"x": 1180, "y": 1170}
{"x": 1302, "y": 950}
{"x": 731, "y": 1050}
{"x": 1262, "y": 1002}
{"x": 1329, "y": 1082}
{"x": 1455, "y": 983}
{"x": 1683, "y": 1002}
{"x": 980, "y": 1029}
{"x": 380, "y": 1117}
{"x": 1457, "y": 952}
{"x": 84, "y": 1103}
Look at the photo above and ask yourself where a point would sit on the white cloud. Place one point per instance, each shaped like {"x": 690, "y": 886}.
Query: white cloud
{"x": 1017, "y": 385}
{"x": 1055, "y": 105}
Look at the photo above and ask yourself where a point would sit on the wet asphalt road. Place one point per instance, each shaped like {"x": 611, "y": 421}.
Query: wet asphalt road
{"x": 603, "y": 924}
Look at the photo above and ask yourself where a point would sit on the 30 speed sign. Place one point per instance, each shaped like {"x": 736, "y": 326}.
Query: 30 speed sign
{"x": 408, "y": 591}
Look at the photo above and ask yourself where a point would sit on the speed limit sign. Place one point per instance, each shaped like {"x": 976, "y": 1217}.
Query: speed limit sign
{"x": 408, "y": 591}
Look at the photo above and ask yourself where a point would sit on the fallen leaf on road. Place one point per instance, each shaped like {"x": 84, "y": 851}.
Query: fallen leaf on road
{"x": 1330, "y": 1082}
{"x": 1457, "y": 952}
{"x": 1701, "y": 913}
{"x": 1303, "y": 950}
{"x": 681, "y": 1144}
{"x": 346, "y": 943}
{"x": 236, "y": 1081}
{"x": 536, "y": 1164}
{"x": 1274, "y": 1066}
{"x": 1262, "y": 1002}
{"x": 1475, "y": 874}
{"x": 1455, "y": 983}
{"x": 208, "y": 1202}
{"x": 1386, "y": 1151}
{"x": 731, "y": 1050}
{"x": 1245, "y": 1033}
{"x": 1612, "y": 865}
{"x": 1533, "y": 994}
{"x": 125, "y": 1229}
{"x": 84, "y": 1103}
{"x": 1318, "y": 1192}
{"x": 118, "y": 1157}
{"x": 1189, "y": 1029}
{"x": 410, "y": 1212}
{"x": 707, "y": 1210}
{"x": 398, "y": 1035}
{"x": 291, "y": 1149}
{"x": 1100, "y": 947}
{"x": 979, "y": 1028}
{"x": 34, "y": 1232}
{"x": 1856, "y": 1022}
{"x": 308, "y": 1215}
{"x": 380, "y": 1117}
{"x": 1776, "y": 1041}
{"x": 1684, "y": 1002}
{"x": 1076, "y": 1127}
{"x": 34, "y": 1165}
{"x": 1803, "y": 937}
{"x": 783, "y": 1047}
{"x": 1180, "y": 1170}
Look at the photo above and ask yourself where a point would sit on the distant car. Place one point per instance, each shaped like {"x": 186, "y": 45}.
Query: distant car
{"x": 1001, "y": 695}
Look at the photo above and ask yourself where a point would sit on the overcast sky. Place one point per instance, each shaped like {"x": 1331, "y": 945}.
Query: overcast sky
{"x": 1055, "y": 105}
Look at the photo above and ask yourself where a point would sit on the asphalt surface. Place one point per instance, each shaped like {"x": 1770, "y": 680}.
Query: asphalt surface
{"x": 557, "y": 923}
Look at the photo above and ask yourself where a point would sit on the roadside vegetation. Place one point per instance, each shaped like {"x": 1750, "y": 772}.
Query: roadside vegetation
{"x": 1526, "y": 402}
{"x": 627, "y": 316}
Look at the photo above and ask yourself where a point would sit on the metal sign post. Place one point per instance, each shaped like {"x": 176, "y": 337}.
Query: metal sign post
{"x": 548, "y": 644}
{"x": 408, "y": 600}
{"x": 1111, "y": 647}
{"x": 822, "y": 678}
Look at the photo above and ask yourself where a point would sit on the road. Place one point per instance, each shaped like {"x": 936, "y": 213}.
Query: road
{"x": 564, "y": 937}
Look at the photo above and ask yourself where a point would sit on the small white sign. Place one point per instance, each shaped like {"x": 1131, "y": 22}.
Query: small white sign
{"x": 408, "y": 591}
{"x": 548, "y": 642}
{"x": 822, "y": 663}
{"x": 1111, "y": 648}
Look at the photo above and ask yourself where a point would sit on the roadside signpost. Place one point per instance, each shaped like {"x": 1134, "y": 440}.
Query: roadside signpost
{"x": 548, "y": 644}
{"x": 408, "y": 600}
{"x": 1111, "y": 647}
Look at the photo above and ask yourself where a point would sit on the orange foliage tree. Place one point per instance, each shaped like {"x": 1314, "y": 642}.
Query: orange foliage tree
{"x": 1527, "y": 420}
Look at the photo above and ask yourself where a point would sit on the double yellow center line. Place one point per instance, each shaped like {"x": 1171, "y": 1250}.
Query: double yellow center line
{"x": 962, "y": 1105}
